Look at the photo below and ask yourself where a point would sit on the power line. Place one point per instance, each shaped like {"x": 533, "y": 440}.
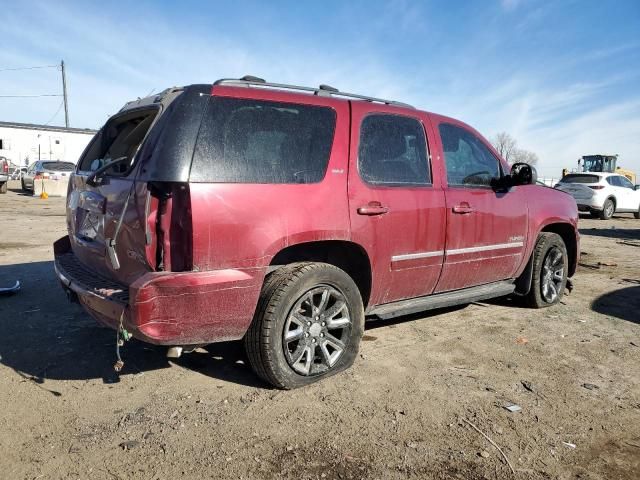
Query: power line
{"x": 56, "y": 114}
{"x": 31, "y": 96}
{"x": 27, "y": 68}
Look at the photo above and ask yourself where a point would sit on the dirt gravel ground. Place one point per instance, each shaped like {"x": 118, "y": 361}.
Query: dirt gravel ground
{"x": 404, "y": 411}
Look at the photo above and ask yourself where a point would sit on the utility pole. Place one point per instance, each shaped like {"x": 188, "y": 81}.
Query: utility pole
{"x": 64, "y": 95}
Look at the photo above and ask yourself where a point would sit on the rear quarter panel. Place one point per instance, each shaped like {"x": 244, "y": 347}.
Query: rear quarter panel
{"x": 243, "y": 226}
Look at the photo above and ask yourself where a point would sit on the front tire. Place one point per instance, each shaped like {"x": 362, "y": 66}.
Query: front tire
{"x": 550, "y": 266}
{"x": 636, "y": 214}
{"x": 307, "y": 326}
{"x": 608, "y": 209}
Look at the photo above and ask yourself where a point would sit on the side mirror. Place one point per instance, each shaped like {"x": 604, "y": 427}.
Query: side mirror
{"x": 523, "y": 174}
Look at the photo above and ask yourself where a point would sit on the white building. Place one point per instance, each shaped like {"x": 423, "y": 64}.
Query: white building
{"x": 25, "y": 143}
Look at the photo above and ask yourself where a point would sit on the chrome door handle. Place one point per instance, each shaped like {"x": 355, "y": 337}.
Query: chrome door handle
{"x": 373, "y": 208}
{"x": 463, "y": 208}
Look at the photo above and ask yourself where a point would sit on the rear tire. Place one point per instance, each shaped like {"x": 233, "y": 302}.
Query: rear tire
{"x": 636, "y": 214}
{"x": 24, "y": 187}
{"x": 3, "y": 187}
{"x": 550, "y": 266}
{"x": 307, "y": 326}
{"x": 608, "y": 209}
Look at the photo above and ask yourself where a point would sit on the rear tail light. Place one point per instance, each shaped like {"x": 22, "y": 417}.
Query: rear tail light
{"x": 596, "y": 187}
{"x": 5, "y": 167}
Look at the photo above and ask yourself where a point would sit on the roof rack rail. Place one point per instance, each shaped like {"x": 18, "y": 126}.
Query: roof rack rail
{"x": 322, "y": 90}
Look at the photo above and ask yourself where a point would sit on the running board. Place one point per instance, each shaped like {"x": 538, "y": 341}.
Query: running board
{"x": 442, "y": 300}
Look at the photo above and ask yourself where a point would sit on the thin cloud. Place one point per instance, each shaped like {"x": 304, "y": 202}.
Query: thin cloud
{"x": 471, "y": 75}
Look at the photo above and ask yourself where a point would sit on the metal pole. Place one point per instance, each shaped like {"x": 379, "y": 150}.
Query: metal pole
{"x": 64, "y": 95}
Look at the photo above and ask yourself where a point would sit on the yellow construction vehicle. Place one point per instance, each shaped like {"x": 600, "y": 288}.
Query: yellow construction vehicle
{"x": 604, "y": 163}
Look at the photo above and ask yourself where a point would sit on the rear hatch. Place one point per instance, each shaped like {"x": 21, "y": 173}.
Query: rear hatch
{"x": 131, "y": 184}
{"x": 579, "y": 186}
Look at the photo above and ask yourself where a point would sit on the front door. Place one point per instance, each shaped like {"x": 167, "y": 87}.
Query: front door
{"x": 396, "y": 205}
{"x": 486, "y": 229}
{"x": 625, "y": 193}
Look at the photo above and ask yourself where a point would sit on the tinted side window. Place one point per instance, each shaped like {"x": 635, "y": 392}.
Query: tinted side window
{"x": 613, "y": 181}
{"x": 625, "y": 182}
{"x": 393, "y": 151}
{"x": 256, "y": 141}
{"x": 469, "y": 162}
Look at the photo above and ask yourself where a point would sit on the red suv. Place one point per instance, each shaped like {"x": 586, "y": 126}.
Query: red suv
{"x": 282, "y": 215}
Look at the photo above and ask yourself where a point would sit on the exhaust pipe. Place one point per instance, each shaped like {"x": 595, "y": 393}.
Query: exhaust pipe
{"x": 178, "y": 350}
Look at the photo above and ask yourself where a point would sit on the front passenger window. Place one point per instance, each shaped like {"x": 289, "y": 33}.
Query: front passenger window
{"x": 624, "y": 182}
{"x": 469, "y": 162}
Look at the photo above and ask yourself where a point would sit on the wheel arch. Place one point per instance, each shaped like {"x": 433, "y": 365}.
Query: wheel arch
{"x": 568, "y": 234}
{"x": 613, "y": 199}
{"x": 346, "y": 255}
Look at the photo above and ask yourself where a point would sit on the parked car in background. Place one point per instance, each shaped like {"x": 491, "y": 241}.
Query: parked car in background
{"x": 281, "y": 215}
{"x": 602, "y": 194}
{"x": 18, "y": 173}
{"x": 46, "y": 169}
{"x": 4, "y": 174}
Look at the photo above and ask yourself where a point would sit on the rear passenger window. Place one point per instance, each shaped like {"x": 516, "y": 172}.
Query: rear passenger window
{"x": 256, "y": 141}
{"x": 469, "y": 162}
{"x": 393, "y": 151}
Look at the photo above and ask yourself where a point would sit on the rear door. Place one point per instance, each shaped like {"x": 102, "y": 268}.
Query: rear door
{"x": 486, "y": 229}
{"x": 94, "y": 211}
{"x": 396, "y": 204}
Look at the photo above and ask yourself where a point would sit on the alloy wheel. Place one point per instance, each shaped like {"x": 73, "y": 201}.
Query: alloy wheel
{"x": 552, "y": 274}
{"x": 316, "y": 331}
{"x": 609, "y": 209}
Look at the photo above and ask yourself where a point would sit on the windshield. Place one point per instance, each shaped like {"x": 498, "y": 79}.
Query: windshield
{"x": 580, "y": 179}
{"x": 598, "y": 163}
{"x": 59, "y": 166}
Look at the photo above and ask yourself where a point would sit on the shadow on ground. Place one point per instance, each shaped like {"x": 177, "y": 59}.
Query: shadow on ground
{"x": 19, "y": 191}
{"x": 623, "y": 303}
{"x": 43, "y": 336}
{"x": 608, "y": 232}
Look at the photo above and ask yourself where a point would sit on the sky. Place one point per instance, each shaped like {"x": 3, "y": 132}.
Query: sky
{"x": 562, "y": 77}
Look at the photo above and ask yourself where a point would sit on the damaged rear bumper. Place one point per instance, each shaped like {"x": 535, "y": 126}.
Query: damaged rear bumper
{"x": 165, "y": 308}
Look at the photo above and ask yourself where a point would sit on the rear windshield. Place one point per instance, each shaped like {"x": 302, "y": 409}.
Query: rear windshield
{"x": 118, "y": 139}
{"x": 580, "y": 179}
{"x": 256, "y": 141}
{"x": 59, "y": 166}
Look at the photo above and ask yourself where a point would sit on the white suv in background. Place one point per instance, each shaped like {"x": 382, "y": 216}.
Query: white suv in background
{"x": 602, "y": 194}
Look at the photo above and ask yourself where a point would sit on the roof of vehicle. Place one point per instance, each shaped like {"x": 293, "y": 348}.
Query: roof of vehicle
{"x": 321, "y": 91}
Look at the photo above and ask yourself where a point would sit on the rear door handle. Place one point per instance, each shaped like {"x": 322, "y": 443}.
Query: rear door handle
{"x": 463, "y": 208}
{"x": 373, "y": 208}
